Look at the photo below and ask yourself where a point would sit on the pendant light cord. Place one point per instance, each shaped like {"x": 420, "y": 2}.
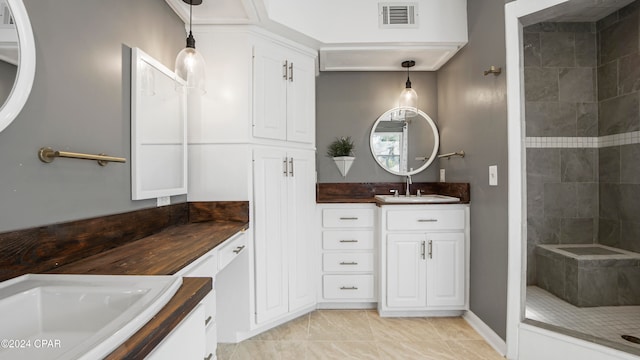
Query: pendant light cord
{"x": 191, "y": 41}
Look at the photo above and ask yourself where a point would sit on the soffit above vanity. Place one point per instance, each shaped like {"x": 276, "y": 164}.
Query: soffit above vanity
{"x": 354, "y": 35}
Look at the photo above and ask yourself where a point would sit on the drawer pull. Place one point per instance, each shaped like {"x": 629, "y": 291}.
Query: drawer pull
{"x": 348, "y": 288}
{"x": 348, "y": 241}
{"x": 427, "y": 220}
{"x": 348, "y": 263}
{"x": 206, "y": 322}
{"x": 238, "y": 249}
{"x": 349, "y": 218}
{"x": 209, "y": 357}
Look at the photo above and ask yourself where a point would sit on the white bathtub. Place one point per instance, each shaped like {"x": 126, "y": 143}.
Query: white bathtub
{"x": 76, "y": 316}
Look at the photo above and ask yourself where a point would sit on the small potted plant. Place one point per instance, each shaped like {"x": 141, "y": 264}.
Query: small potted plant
{"x": 341, "y": 150}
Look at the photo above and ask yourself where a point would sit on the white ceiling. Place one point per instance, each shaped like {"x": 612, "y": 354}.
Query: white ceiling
{"x": 336, "y": 57}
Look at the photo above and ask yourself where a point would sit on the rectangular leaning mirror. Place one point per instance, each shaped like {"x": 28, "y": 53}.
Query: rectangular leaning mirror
{"x": 158, "y": 130}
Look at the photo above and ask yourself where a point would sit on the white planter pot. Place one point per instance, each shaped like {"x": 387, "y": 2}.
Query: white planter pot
{"x": 344, "y": 164}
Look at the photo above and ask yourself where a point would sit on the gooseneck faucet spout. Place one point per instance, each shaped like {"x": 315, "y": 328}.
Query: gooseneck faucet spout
{"x": 409, "y": 182}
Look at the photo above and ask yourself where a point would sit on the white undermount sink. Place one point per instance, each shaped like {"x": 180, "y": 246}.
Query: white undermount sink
{"x": 413, "y": 199}
{"x": 77, "y": 316}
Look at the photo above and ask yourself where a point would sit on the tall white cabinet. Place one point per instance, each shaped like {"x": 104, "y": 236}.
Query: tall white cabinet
{"x": 283, "y": 248}
{"x": 252, "y": 137}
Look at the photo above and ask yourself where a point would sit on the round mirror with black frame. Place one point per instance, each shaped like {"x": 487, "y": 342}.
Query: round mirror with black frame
{"x": 404, "y": 145}
{"x": 17, "y": 59}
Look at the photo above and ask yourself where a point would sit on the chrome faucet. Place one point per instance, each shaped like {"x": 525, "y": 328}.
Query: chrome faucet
{"x": 394, "y": 192}
{"x": 409, "y": 182}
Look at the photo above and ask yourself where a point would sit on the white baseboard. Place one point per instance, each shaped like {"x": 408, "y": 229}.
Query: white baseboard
{"x": 486, "y": 332}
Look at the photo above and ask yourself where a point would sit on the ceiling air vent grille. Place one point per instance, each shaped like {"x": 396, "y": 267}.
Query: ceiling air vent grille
{"x": 398, "y": 15}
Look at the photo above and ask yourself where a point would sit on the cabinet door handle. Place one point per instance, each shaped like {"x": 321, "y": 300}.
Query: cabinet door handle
{"x": 291, "y": 167}
{"x": 349, "y": 241}
{"x": 206, "y": 322}
{"x": 284, "y": 70}
{"x": 284, "y": 167}
{"x": 238, "y": 249}
{"x": 209, "y": 357}
{"x": 430, "y": 249}
{"x": 291, "y": 71}
{"x": 427, "y": 220}
{"x": 422, "y": 250}
{"x": 348, "y": 263}
{"x": 348, "y": 218}
{"x": 348, "y": 288}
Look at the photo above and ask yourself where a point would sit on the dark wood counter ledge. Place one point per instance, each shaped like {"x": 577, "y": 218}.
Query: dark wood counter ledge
{"x": 138, "y": 346}
{"x": 155, "y": 241}
{"x": 328, "y": 193}
{"x": 163, "y": 253}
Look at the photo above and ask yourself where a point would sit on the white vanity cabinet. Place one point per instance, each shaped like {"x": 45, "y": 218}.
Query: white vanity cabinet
{"x": 283, "y": 94}
{"x": 424, "y": 257}
{"x": 185, "y": 341}
{"x": 208, "y": 265}
{"x": 348, "y": 257}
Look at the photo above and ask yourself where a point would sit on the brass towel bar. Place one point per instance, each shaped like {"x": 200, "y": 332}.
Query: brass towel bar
{"x": 46, "y": 154}
{"x": 449, "y": 155}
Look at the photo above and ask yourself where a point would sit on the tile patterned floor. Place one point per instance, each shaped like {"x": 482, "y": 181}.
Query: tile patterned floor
{"x": 362, "y": 334}
{"x": 608, "y": 322}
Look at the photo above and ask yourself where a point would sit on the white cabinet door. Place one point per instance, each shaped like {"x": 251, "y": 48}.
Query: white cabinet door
{"x": 271, "y": 257}
{"x": 301, "y": 99}
{"x": 445, "y": 270}
{"x": 270, "y": 77}
{"x": 301, "y": 203}
{"x": 284, "y": 187}
{"x": 283, "y": 94}
{"x": 406, "y": 270}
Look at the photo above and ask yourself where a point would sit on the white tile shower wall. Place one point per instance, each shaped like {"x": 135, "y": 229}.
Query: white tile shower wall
{"x": 628, "y": 138}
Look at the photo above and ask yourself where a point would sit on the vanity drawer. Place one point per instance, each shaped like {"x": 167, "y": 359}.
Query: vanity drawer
{"x": 347, "y": 262}
{"x": 205, "y": 266}
{"x": 347, "y": 218}
{"x": 439, "y": 219}
{"x": 347, "y": 240}
{"x": 209, "y": 303}
{"x": 233, "y": 247}
{"x": 348, "y": 286}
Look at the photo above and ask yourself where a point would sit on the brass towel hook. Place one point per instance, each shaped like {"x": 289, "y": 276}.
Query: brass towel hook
{"x": 493, "y": 70}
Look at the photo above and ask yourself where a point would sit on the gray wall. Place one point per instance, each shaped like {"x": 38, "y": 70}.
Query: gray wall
{"x": 80, "y": 102}
{"x": 560, "y": 100}
{"x": 472, "y": 113}
{"x": 348, "y": 103}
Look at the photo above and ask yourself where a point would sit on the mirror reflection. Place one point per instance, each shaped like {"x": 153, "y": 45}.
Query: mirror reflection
{"x": 9, "y": 51}
{"x": 404, "y": 145}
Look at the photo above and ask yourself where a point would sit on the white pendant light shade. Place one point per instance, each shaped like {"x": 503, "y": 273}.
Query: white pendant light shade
{"x": 190, "y": 67}
{"x": 408, "y": 102}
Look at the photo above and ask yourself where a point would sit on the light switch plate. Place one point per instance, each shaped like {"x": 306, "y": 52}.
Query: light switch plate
{"x": 442, "y": 177}
{"x": 493, "y": 175}
{"x": 164, "y": 201}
